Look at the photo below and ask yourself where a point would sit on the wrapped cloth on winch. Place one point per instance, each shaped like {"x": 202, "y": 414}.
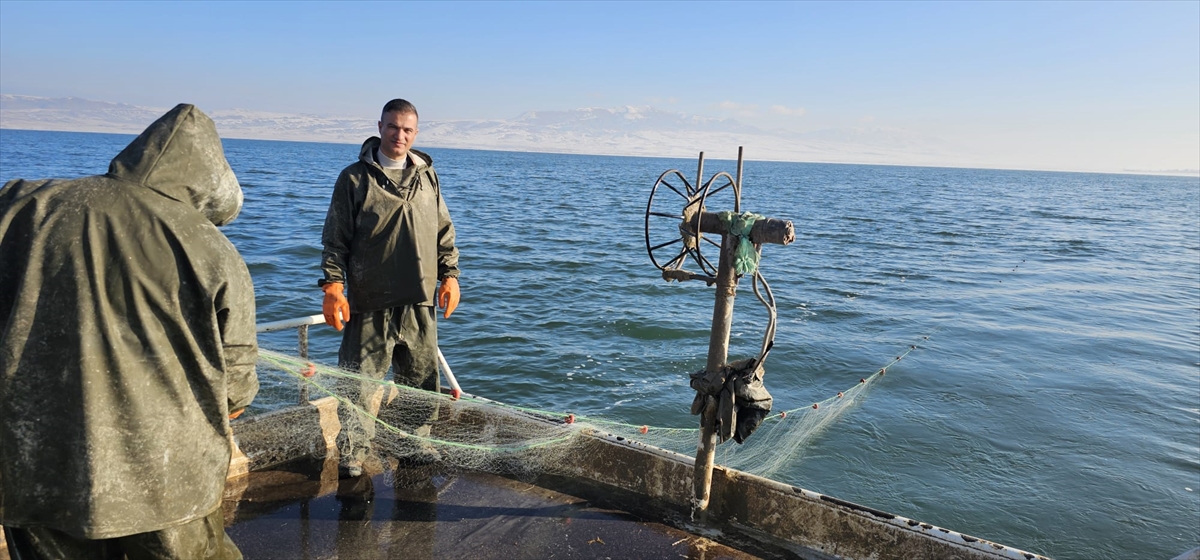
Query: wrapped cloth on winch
{"x": 745, "y": 257}
{"x": 742, "y": 399}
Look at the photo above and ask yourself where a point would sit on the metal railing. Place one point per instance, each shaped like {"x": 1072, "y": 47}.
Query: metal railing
{"x": 301, "y": 325}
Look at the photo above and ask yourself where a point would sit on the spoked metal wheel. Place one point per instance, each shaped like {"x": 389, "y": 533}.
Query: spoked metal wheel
{"x": 669, "y": 239}
{"x": 674, "y": 235}
{"x": 709, "y": 195}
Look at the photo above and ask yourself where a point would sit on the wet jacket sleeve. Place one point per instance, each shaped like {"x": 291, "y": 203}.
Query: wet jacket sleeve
{"x": 235, "y": 318}
{"x": 339, "y": 229}
{"x": 447, "y": 251}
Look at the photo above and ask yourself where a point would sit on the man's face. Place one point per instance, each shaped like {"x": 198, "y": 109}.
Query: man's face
{"x": 398, "y": 131}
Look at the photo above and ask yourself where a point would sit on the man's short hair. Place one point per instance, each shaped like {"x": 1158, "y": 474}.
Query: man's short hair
{"x": 399, "y": 106}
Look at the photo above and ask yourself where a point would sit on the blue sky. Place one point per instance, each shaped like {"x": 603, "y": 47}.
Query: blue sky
{"x": 1097, "y": 80}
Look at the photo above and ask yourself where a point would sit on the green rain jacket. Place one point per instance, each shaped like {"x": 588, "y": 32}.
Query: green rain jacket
{"x": 388, "y": 234}
{"x": 126, "y": 337}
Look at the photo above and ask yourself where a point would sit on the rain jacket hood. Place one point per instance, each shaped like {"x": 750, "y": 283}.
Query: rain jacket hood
{"x": 180, "y": 156}
{"x": 126, "y": 338}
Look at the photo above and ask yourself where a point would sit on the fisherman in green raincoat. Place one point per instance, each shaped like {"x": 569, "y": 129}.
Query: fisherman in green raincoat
{"x": 388, "y": 240}
{"x": 126, "y": 341}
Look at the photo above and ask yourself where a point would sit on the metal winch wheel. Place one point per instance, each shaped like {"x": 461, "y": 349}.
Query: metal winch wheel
{"x": 676, "y": 233}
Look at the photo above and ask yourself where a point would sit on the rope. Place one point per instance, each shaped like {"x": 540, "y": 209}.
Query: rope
{"x": 745, "y": 259}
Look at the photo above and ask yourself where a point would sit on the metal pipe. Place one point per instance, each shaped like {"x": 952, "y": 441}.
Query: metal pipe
{"x": 766, "y": 230}
{"x": 289, "y": 323}
{"x": 718, "y": 352}
{"x": 722, "y": 321}
{"x": 737, "y": 199}
{"x": 303, "y": 333}
{"x": 690, "y": 211}
{"x": 301, "y": 325}
{"x": 705, "y": 455}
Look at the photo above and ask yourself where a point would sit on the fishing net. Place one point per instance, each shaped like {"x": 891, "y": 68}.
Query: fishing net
{"x": 475, "y": 433}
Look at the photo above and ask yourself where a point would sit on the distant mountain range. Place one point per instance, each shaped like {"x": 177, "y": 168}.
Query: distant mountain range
{"x": 84, "y": 115}
{"x": 640, "y": 131}
{"x": 628, "y": 131}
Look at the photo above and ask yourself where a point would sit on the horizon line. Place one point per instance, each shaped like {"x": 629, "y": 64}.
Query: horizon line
{"x": 1188, "y": 173}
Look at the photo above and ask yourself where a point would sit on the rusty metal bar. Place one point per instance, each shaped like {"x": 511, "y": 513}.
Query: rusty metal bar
{"x": 718, "y": 341}
{"x": 301, "y": 325}
{"x": 705, "y": 455}
{"x": 718, "y": 352}
{"x": 303, "y": 333}
{"x": 738, "y": 186}
{"x": 769, "y": 230}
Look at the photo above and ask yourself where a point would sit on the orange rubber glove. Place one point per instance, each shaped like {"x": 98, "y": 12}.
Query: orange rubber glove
{"x": 448, "y": 296}
{"x": 236, "y": 413}
{"x": 335, "y": 307}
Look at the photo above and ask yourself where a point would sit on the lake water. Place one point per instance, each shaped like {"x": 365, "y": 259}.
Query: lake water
{"x": 1055, "y": 406}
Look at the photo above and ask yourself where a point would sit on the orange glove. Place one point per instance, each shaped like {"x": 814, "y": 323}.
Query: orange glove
{"x": 335, "y": 308}
{"x": 236, "y": 413}
{"x": 448, "y": 295}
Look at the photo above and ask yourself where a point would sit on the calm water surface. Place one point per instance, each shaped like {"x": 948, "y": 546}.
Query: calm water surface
{"x": 1055, "y": 406}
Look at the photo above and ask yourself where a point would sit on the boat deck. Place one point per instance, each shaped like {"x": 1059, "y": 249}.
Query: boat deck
{"x": 614, "y": 498}
{"x": 302, "y": 510}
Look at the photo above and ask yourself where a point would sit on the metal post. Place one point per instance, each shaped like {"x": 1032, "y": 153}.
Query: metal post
{"x": 768, "y": 230}
{"x": 695, "y": 221}
{"x": 303, "y": 330}
{"x": 705, "y": 455}
{"x": 722, "y": 321}
{"x": 718, "y": 352}
{"x": 737, "y": 200}
{"x": 718, "y": 340}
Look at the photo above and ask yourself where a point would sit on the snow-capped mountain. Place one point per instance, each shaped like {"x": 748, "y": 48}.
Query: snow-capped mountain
{"x": 642, "y": 131}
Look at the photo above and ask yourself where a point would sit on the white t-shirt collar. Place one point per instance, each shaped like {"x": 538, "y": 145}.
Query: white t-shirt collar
{"x": 389, "y": 163}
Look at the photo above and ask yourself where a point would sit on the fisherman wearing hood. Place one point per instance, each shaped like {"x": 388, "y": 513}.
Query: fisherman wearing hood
{"x": 126, "y": 341}
{"x": 388, "y": 240}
